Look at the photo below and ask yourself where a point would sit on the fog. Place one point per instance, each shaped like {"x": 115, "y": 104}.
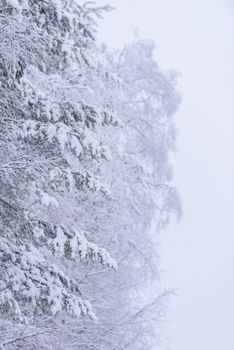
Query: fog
{"x": 197, "y": 39}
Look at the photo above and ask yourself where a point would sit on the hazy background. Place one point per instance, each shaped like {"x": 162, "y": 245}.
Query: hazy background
{"x": 196, "y": 38}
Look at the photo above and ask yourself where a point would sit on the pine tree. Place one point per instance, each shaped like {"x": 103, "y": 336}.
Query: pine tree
{"x": 51, "y": 131}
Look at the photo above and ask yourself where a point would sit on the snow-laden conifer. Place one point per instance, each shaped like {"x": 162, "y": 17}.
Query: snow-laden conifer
{"x": 50, "y": 129}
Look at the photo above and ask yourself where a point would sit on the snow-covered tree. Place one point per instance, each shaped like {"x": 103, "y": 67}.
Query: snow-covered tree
{"x": 51, "y": 131}
{"x": 84, "y": 181}
{"x": 143, "y": 200}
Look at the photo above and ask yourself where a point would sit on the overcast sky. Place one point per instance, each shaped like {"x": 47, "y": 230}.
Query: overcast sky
{"x": 195, "y": 37}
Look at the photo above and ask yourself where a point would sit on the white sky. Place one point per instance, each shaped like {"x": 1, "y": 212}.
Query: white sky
{"x": 195, "y": 37}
